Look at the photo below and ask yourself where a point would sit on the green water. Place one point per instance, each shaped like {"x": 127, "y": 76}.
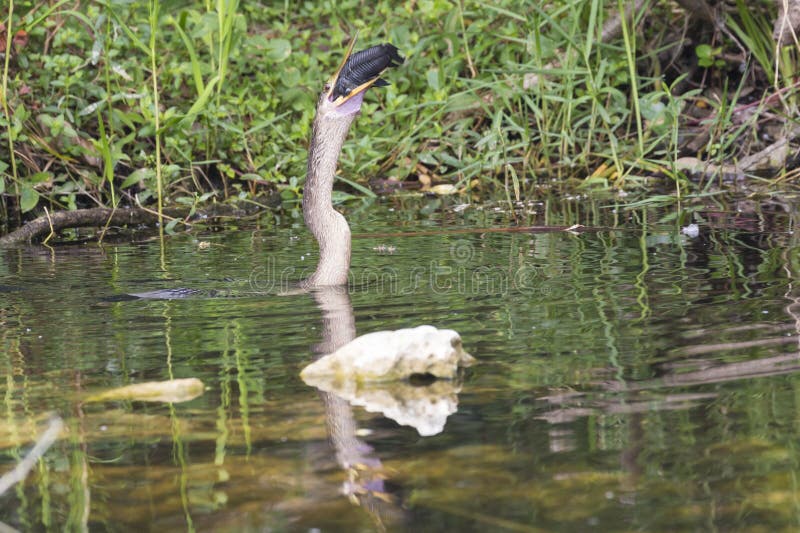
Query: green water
{"x": 629, "y": 379}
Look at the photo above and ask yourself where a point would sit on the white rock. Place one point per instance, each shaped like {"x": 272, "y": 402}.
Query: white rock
{"x": 394, "y": 355}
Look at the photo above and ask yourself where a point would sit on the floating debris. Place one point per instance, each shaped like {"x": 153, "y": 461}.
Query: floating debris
{"x": 172, "y": 391}
{"x": 387, "y": 249}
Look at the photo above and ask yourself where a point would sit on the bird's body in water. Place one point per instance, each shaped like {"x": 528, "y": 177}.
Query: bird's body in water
{"x": 338, "y": 106}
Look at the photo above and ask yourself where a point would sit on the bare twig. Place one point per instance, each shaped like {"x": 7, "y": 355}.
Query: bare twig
{"x": 49, "y": 220}
{"x": 787, "y": 24}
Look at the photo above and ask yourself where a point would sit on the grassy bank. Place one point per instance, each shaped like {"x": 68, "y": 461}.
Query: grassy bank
{"x": 118, "y": 103}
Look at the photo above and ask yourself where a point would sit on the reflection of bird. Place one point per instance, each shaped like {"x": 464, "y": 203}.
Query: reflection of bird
{"x": 338, "y": 105}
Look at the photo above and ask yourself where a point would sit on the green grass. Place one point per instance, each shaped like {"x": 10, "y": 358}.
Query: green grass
{"x": 9, "y": 134}
{"x": 119, "y": 102}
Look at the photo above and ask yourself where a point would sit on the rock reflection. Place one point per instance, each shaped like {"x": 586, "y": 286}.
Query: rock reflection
{"x": 424, "y": 407}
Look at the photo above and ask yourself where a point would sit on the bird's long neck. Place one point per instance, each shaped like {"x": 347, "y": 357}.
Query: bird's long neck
{"x": 327, "y": 225}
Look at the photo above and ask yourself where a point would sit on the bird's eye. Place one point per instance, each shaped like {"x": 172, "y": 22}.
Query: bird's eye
{"x": 327, "y": 87}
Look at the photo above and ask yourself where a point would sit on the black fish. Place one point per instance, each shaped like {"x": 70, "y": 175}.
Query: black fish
{"x": 364, "y": 66}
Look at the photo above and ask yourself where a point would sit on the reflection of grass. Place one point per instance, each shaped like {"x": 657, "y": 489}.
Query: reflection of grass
{"x": 694, "y": 463}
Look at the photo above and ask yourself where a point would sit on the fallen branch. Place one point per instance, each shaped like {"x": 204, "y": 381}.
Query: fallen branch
{"x": 98, "y": 216}
{"x": 769, "y": 159}
{"x": 103, "y": 216}
{"x": 575, "y": 228}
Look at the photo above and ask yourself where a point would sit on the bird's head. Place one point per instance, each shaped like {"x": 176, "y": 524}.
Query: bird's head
{"x": 344, "y": 92}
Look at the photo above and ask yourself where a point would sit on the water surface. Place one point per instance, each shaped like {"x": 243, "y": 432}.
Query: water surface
{"x": 632, "y": 378}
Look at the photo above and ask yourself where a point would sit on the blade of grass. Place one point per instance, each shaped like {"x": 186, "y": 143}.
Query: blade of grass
{"x": 153, "y": 19}
{"x": 108, "y": 160}
{"x": 357, "y": 186}
{"x": 630, "y": 55}
{"x": 4, "y": 97}
{"x": 196, "y": 74}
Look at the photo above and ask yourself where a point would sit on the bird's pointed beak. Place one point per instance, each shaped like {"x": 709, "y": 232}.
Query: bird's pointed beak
{"x": 347, "y": 54}
{"x": 360, "y": 89}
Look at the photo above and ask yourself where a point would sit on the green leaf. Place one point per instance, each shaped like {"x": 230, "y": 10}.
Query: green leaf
{"x": 170, "y": 227}
{"x": 184, "y": 200}
{"x": 433, "y": 79}
{"x": 338, "y": 197}
{"x": 595, "y": 181}
{"x": 201, "y": 101}
{"x": 3, "y": 167}
{"x": 278, "y": 50}
{"x": 288, "y": 194}
{"x": 196, "y": 73}
{"x": 41, "y": 177}
{"x": 136, "y": 176}
{"x": 29, "y": 198}
{"x": 462, "y": 101}
{"x": 703, "y": 51}
{"x": 659, "y": 199}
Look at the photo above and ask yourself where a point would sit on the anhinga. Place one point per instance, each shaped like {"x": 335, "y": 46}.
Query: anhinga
{"x": 339, "y": 104}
